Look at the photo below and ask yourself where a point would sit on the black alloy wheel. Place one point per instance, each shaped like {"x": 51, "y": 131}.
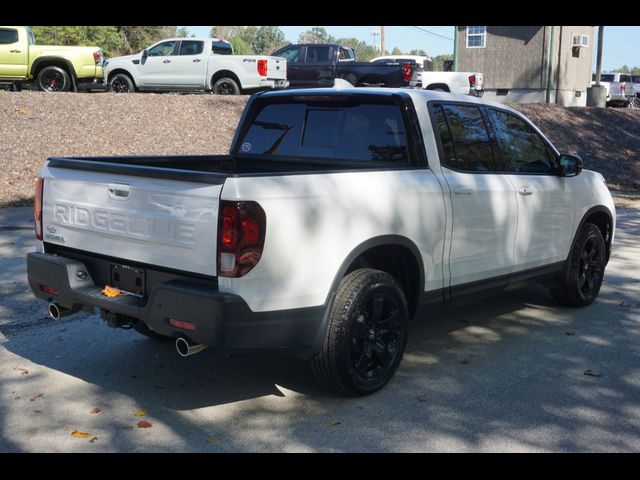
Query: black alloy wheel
{"x": 375, "y": 336}
{"x": 53, "y": 79}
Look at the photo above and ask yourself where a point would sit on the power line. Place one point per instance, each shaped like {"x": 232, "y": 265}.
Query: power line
{"x": 424, "y": 30}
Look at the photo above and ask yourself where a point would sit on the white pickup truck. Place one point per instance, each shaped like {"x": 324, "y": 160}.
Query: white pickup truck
{"x": 621, "y": 91}
{"x": 339, "y": 215}
{"x": 463, "y": 83}
{"x": 194, "y": 64}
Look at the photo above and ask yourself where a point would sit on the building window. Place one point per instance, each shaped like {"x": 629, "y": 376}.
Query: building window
{"x": 476, "y": 37}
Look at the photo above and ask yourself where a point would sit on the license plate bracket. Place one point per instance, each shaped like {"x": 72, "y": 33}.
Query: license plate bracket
{"x": 127, "y": 278}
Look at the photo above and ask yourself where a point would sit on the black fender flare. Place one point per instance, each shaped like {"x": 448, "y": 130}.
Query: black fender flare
{"x": 346, "y": 263}
{"x": 51, "y": 59}
{"x": 588, "y": 213}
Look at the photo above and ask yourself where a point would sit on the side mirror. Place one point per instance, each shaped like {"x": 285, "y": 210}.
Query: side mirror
{"x": 570, "y": 165}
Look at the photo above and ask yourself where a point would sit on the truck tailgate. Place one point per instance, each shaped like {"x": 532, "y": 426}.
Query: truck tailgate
{"x": 161, "y": 222}
{"x": 276, "y": 68}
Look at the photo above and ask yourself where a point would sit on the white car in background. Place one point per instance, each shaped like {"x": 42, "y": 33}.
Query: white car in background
{"x": 194, "y": 64}
{"x": 463, "y": 83}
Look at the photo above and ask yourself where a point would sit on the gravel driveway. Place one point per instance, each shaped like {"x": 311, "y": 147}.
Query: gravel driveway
{"x": 514, "y": 373}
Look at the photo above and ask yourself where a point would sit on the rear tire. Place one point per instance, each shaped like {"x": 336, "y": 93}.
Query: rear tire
{"x": 584, "y": 272}
{"x": 53, "y": 79}
{"x": 366, "y": 335}
{"x": 225, "y": 86}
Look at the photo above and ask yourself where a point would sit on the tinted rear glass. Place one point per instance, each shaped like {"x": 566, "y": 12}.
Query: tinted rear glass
{"x": 606, "y": 78}
{"x": 635, "y": 78}
{"x": 355, "y": 132}
{"x": 221, "y": 48}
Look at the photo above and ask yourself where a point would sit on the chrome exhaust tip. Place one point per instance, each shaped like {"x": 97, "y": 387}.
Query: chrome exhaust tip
{"x": 186, "y": 347}
{"x": 55, "y": 311}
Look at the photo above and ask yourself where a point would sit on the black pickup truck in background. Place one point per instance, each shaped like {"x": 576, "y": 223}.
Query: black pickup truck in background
{"x": 318, "y": 65}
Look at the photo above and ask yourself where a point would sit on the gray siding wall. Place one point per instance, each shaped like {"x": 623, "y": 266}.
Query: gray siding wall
{"x": 513, "y": 57}
{"x": 516, "y": 57}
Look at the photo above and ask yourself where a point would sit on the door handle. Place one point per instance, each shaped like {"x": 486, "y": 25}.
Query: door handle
{"x": 197, "y": 60}
{"x": 463, "y": 190}
{"x": 15, "y": 51}
{"x": 119, "y": 191}
{"x": 525, "y": 190}
{"x": 166, "y": 61}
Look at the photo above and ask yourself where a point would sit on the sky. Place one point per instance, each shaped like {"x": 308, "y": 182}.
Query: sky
{"x": 620, "y": 44}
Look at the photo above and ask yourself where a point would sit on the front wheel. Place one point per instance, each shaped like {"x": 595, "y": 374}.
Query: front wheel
{"x": 583, "y": 275}
{"x": 53, "y": 79}
{"x": 366, "y": 335}
{"x": 121, "y": 83}
{"x": 225, "y": 86}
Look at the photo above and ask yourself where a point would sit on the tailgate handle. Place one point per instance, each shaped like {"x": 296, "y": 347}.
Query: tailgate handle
{"x": 119, "y": 191}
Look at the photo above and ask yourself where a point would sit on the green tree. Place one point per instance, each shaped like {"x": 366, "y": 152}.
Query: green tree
{"x": 418, "y": 52}
{"x": 240, "y": 47}
{"x": 396, "y": 51}
{"x": 226, "y": 32}
{"x": 438, "y": 62}
{"x": 364, "y": 52}
{"x": 316, "y": 35}
{"x": 265, "y": 39}
{"x": 182, "y": 32}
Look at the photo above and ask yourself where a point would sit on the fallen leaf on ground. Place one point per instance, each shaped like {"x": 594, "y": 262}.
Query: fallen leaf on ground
{"x": 140, "y": 413}
{"x": 144, "y": 424}
{"x": 23, "y": 371}
{"x": 78, "y": 434}
{"x": 93, "y": 439}
{"x": 35, "y": 397}
{"x": 95, "y": 410}
{"x": 335, "y": 423}
{"x": 421, "y": 398}
{"x": 591, "y": 373}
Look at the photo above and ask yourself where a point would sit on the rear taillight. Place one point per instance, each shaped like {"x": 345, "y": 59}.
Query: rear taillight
{"x": 262, "y": 68}
{"x": 472, "y": 81}
{"x": 406, "y": 69}
{"x": 97, "y": 57}
{"x": 50, "y": 290}
{"x": 241, "y": 233}
{"x": 37, "y": 207}
{"x": 622, "y": 87}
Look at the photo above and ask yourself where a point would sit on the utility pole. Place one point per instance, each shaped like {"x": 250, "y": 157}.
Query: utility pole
{"x": 599, "y": 55}
{"x": 382, "y": 40}
{"x": 375, "y": 33}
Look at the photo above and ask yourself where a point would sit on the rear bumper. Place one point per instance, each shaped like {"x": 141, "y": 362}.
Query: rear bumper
{"x": 222, "y": 320}
{"x": 273, "y": 83}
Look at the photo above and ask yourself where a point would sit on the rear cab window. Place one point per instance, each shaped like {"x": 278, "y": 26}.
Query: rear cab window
{"x": 354, "y": 129}
{"x": 221, "y": 48}
{"x": 8, "y": 36}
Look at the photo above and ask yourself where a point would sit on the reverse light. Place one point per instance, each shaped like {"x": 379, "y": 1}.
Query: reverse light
{"x": 241, "y": 235}
{"x": 262, "y": 68}
{"x": 37, "y": 207}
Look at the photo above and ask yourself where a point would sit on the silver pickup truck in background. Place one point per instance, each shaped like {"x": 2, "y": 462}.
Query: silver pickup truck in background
{"x": 194, "y": 64}
{"x": 621, "y": 92}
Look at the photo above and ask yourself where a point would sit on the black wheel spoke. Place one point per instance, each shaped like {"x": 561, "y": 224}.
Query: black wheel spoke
{"x": 360, "y": 329}
{"x": 378, "y": 303}
{"x": 365, "y": 359}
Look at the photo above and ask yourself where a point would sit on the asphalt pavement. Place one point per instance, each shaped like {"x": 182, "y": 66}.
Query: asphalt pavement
{"x": 512, "y": 373}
